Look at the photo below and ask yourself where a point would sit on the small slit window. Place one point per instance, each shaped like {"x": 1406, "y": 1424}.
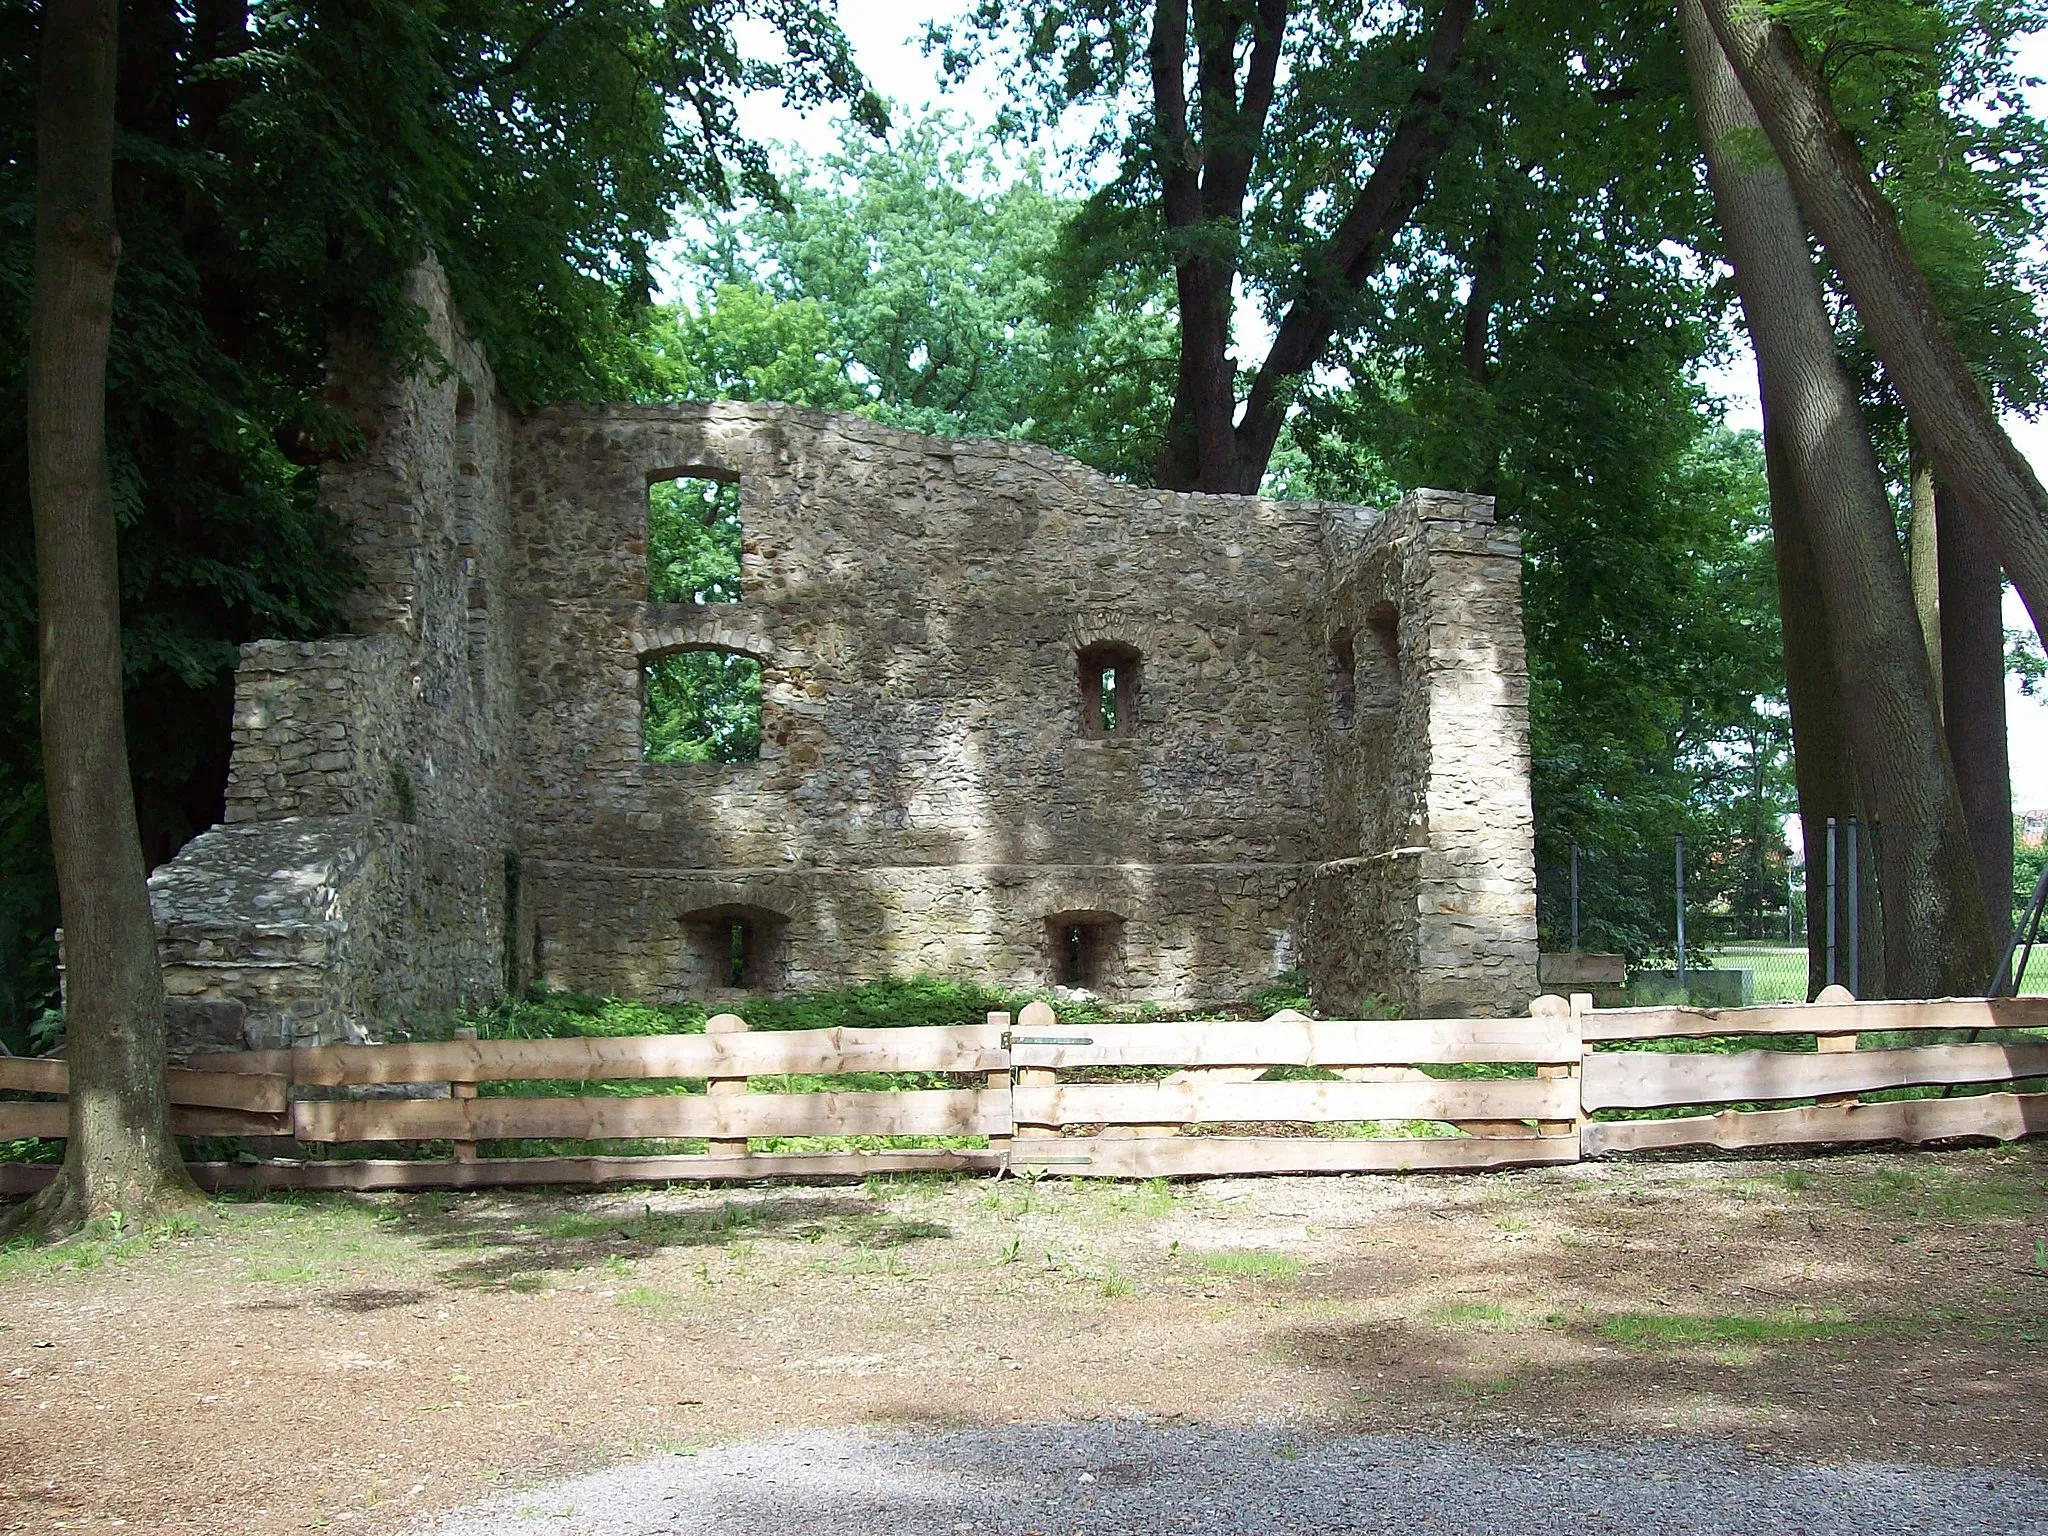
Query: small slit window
{"x": 1109, "y": 691}
{"x": 1377, "y": 673}
{"x": 694, "y": 540}
{"x": 1343, "y": 681}
{"x": 701, "y": 706}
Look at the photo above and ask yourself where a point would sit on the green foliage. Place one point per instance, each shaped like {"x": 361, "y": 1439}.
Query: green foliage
{"x": 702, "y": 707}
{"x": 280, "y": 169}
{"x": 693, "y": 542}
{"x": 906, "y": 1002}
{"x": 912, "y": 282}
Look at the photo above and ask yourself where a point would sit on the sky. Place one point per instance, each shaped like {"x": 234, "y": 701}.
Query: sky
{"x": 885, "y": 36}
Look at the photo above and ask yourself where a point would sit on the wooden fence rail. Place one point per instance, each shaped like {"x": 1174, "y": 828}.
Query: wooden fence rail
{"x": 1839, "y": 1068}
{"x": 1110, "y": 1100}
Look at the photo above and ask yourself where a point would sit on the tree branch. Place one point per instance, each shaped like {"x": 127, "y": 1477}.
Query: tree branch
{"x": 1361, "y": 241}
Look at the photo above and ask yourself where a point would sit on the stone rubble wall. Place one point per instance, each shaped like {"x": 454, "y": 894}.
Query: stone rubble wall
{"x": 359, "y": 883}
{"x": 1425, "y": 903}
{"x": 1329, "y": 770}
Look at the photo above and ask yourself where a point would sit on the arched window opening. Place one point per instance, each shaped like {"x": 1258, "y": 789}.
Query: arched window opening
{"x": 1085, "y": 950}
{"x": 733, "y": 948}
{"x": 1109, "y": 690}
{"x": 701, "y": 706}
{"x": 694, "y": 539}
{"x": 1343, "y": 681}
{"x": 1377, "y": 688}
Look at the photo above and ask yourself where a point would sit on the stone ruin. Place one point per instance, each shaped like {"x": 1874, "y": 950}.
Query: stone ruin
{"x": 1314, "y": 754}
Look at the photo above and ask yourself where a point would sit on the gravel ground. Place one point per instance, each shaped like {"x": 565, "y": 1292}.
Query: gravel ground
{"x": 1071, "y": 1479}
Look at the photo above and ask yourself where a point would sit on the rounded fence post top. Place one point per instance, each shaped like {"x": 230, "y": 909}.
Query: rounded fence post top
{"x": 1549, "y": 1006}
{"x": 725, "y": 1024}
{"x": 1037, "y": 1014}
{"x": 1836, "y": 993}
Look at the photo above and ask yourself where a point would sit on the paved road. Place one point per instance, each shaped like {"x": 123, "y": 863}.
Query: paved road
{"x": 1135, "y": 1479}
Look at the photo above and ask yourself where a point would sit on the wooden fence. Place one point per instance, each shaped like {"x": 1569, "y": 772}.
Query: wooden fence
{"x": 1840, "y": 1067}
{"x": 1284, "y": 1095}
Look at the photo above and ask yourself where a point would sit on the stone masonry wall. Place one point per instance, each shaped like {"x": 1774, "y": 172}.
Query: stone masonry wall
{"x": 927, "y": 796}
{"x": 1328, "y": 769}
{"x": 360, "y": 880}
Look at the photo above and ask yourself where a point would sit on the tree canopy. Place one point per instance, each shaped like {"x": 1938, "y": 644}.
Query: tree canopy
{"x": 279, "y": 169}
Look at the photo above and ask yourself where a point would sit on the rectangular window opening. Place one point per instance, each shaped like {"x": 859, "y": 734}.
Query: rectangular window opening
{"x": 701, "y": 707}
{"x": 1109, "y": 691}
{"x": 694, "y": 540}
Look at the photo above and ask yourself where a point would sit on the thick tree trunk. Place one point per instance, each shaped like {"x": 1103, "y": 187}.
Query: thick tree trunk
{"x": 1937, "y": 940}
{"x": 1358, "y": 248}
{"x": 2001, "y": 497}
{"x": 120, "y": 1155}
{"x": 1973, "y": 701}
{"x": 1821, "y": 765}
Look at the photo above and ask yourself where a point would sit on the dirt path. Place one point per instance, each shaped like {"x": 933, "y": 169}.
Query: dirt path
{"x": 366, "y": 1362}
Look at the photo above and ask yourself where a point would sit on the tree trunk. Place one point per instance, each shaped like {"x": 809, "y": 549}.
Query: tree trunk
{"x": 2001, "y": 497}
{"x": 1973, "y": 702}
{"x": 1209, "y": 445}
{"x": 119, "y": 1156}
{"x": 1821, "y": 765}
{"x": 1937, "y": 940}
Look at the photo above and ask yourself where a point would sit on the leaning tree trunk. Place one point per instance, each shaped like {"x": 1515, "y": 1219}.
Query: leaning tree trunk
{"x": 1936, "y": 937}
{"x": 119, "y": 1155}
{"x": 1822, "y": 769}
{"x": 1973, "y": 456}
{"x": 1973, "y": 701}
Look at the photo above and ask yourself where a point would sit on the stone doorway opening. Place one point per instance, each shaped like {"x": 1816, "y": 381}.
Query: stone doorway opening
{"x": 1085, "y": 950}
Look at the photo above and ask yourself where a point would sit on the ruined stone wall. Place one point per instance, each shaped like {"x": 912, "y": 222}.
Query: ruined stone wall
{"x": 927, "y": 796}
{"x": 359, "y": 882}
{"x": 1328, "y": 769}
{"x": 1425, "y": 901}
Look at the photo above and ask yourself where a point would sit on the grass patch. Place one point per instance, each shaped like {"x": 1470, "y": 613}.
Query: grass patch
{"x": 1473, "y": 1314}
{"x": 1252, "y": 1264}
{"x": 1941, "y": 1194}
{"x": 1665, "y": 1330}
{"x": 645, "y": 1298}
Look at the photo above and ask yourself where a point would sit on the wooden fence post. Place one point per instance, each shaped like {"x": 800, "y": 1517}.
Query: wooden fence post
{"x": 1581, "y": 1005}
{"x": 1831, "y": 1045}
{"x": 726, "y": 1087}
{"x": 1552, "y": 1007}
{"x": 1037, "y": 1016}
{"x": 1000, "y": 1145}
{"x": 463, "y": 1088}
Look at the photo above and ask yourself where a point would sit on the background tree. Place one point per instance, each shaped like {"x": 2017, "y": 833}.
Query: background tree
{"x": 1937, "y": 941}
{"x": 1215, "y": 109}
{"x": 279, "y": 168}
{"x": 931, "y": 271}
{"x": 118, "y": 1154}
{"x": 1951, "y": 411}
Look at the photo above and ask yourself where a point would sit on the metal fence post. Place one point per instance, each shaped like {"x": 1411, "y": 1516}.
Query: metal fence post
{"x": 1831, "y": 901}
{"x": 1855, "y": 913}
{"x": 1679, "y": 856}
